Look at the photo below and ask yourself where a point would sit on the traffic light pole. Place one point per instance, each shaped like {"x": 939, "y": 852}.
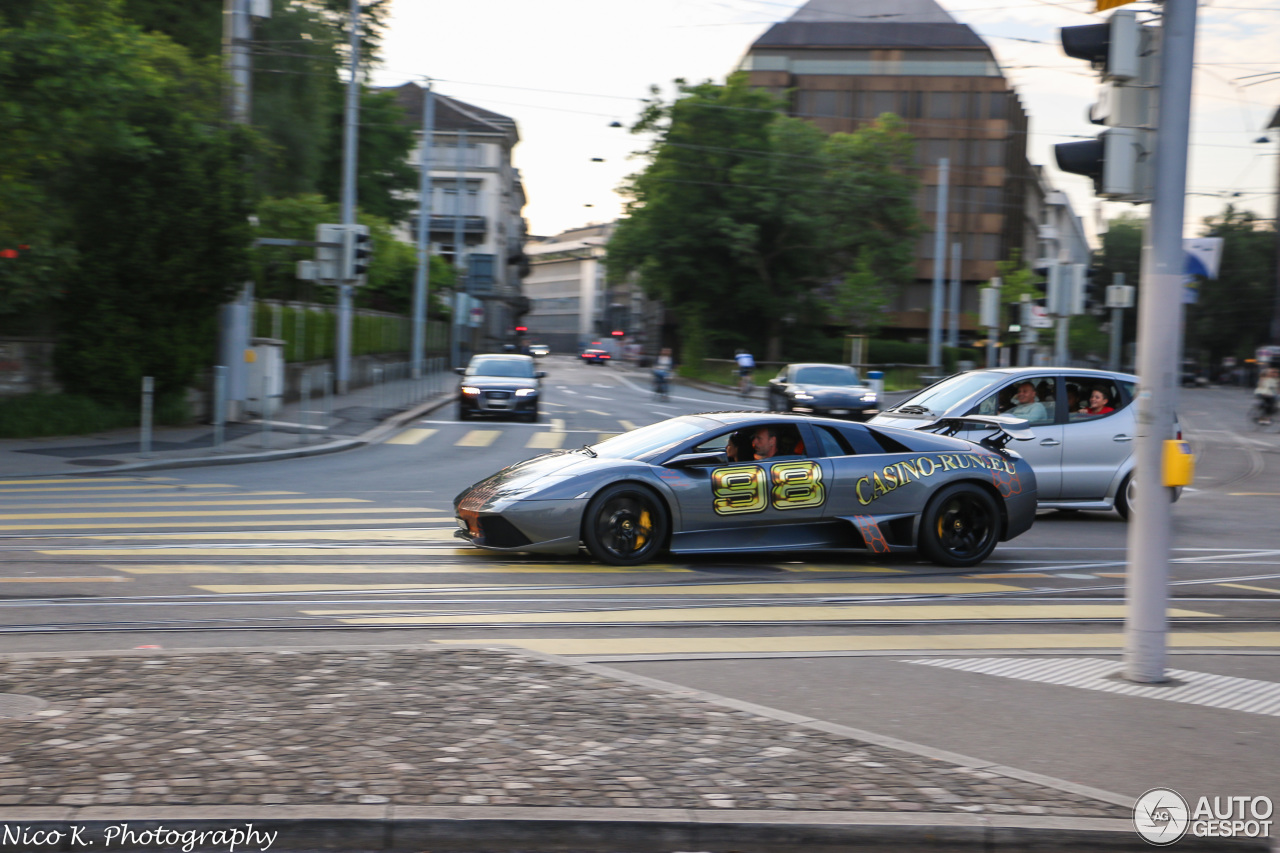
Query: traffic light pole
{"x": 939, "y": 264}
{"x": 351, "y": 119}
{"x": 1147, "y": 591}
{"x": 1117, "y": 327}
{"x": 422, "y": 280}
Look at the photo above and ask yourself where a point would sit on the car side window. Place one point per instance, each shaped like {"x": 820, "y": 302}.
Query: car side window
{"x": 1039, "y": 409}
{"x": 831, "y": 442}
{"x": 1109, "y": 401}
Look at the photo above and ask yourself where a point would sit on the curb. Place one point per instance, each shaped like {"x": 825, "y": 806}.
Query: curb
{"x": 373, "y": 435}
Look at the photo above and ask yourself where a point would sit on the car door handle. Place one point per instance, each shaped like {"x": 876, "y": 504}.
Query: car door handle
{"x": 1050, "y": 442}
{"x": 1122, "y": 437}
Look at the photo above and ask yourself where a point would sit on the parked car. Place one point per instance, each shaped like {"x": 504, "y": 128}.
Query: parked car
{"x": 539, "y": 350}
{"x": 1081, "y": 461}
{"x": 833, "y": 485}
{"x": 831, "y": 390}
{"x": 591, "y": 355}
{"x": 499, "y": 384}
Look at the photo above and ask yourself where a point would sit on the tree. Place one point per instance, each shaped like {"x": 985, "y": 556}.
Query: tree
{"x": 745, "y": 221}
{"x": 1232, "y": 315}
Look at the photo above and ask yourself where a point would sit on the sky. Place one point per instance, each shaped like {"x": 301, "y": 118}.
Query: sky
{"x": 565, "y": 70}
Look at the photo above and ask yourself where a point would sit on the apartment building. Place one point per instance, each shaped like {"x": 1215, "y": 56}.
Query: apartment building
{"x": 476, "y": 206}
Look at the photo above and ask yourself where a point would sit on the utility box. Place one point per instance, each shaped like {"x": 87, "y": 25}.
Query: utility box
{"x": 266, "y": 377}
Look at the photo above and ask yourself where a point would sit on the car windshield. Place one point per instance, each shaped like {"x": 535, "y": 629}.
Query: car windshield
{"x": 944, "y": 395}
{"x": 516, "y": 367}
{"x": 827, "y": 374}
{"x": 648, "y": 440}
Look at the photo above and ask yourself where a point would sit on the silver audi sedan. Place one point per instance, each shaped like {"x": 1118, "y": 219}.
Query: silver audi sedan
{"x": 1083, "y": 420}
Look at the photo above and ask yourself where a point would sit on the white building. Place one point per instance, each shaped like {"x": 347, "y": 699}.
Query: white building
{"x": 476, "y": 202}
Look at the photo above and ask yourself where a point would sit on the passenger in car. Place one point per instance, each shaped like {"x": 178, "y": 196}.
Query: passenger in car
{"x": 1025, "y": 404}
{"x": 1099, "y": 403}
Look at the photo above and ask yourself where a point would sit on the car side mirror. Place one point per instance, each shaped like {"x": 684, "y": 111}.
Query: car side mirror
{"x": 460, "y": 370}
{"x": 540, "y": 374}
{"x": 689, "y": 460}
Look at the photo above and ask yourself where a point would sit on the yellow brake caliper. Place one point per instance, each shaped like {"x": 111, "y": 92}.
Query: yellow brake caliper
{"x": 646, "y": 524}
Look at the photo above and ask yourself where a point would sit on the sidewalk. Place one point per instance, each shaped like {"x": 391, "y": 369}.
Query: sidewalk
{"x": 359, "y": 417}
{"x": 484, "y": 749}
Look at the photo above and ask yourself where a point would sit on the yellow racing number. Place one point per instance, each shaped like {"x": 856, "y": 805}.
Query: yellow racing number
{"x": 738, "y": 490}
{"x": 797, "y": 485}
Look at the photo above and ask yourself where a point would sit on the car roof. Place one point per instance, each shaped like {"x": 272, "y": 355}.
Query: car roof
{"x": 821, "y": 364}
{"x": 1041, "y": 371}
{"x": 499, "y": 356}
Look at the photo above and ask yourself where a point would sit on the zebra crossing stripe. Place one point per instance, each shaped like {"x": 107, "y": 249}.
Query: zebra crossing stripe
{"x": 478, "y": 438}
{"x": 545, "y": 441}
{"x": 1228, "y": 692}
{"x": 412, "y": 436}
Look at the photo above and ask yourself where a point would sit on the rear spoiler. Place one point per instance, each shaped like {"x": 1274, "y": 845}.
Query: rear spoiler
{"x": 1004, "y": 429}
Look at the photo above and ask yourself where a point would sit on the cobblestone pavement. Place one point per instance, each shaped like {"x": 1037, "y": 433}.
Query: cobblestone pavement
{"x": 436, "y": 726}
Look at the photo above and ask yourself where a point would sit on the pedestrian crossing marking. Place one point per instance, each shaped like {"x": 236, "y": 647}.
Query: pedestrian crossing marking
{"x": 86, "y": 480}
{"x": 192, "y": 504}
{"x": 895, "y": 612}
{"x": 365, "y": 533}
{"x": 478, "y": 438}
{"x": 276, "y": 521}
{"x": 627, "y": 425}
{"x": 103, "y": 579}
{"x": 187, "y": 512}
{"x": 605, "y": 436}
{"x": 1254, "y": 588}
{"x": 557, "y": 424}
{"x": 412, "y": 436}
{"x": 377, "y": 569}
{"x": 546, "y": 440}
{"x": 599, "y": 646}
{"x": 234, "y": 552}
{"x": 1010, "y": 575}
{"x": 672, "y": 590}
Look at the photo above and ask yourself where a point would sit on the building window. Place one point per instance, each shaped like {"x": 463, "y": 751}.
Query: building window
{"x": 811, "y": 103}
{"x": 885, "y": 102}
{"x": 444, "y": 198}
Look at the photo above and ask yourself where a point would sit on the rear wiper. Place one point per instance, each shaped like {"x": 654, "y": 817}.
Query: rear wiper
{"x": 912, "y": 410}
{"x": 586, "y": 448}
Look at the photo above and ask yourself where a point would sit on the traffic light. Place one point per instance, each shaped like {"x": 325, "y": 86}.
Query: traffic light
{"x": 356, "y": 250}
{"x": 1095, "y": 291}
{"x": 1128, "y": 55}
{"x": 328, "y": 252}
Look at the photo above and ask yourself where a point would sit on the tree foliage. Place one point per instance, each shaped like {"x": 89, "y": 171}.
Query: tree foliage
{"x": 746, "y": 222}
{"x": 1232, "y": 316}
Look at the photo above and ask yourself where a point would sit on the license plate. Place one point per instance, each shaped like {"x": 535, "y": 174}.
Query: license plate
{"x": 839, "y": 411}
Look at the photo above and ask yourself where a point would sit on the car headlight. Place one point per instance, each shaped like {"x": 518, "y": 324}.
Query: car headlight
{"x": 470, "y": 391}
{"x": 800, "y": 396}
{"x": 526, "y": 392}
{"x": 869, "y": 398}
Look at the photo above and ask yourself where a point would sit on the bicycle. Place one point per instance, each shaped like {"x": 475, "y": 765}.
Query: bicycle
{"x": 745, "y": 384}
{"x": 1259, "y": 418}
{"x": 661, "y": 385}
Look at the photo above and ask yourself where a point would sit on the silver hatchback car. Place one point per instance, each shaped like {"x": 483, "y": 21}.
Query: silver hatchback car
{"x": 1082, "y": 460}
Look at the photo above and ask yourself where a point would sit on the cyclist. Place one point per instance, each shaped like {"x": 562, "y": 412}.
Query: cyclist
{"x": 662, "y": 368}
{"x": 1268, "y": 387}
{"x": 746, "y": 366}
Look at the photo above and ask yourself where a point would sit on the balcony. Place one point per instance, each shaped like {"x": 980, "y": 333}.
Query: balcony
{"x": 443, "y": 224}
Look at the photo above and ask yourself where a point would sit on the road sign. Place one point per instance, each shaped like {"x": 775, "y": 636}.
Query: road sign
{"x": 1104, "y": 5}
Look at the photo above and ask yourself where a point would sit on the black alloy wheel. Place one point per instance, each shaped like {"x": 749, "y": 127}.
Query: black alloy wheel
{"x": 625, "y": 525}
{"x": 961, "y": 526}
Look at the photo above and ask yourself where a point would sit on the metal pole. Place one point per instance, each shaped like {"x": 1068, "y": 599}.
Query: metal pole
{"x": 266, "y": 418}
{"x": 235, "y": 318}
{"x": 219, "y": 404}
{"x": 305, "y": 400}
{"x": 1117, "y": 327}
{"x": 953, "y": 299}
{"x": 148, "y": 392}
{"x": 351, "y": 124}
{"x": 422, "y": 282}
{"x": 328, "y": 403}
{"x": 1147, "y": 592}
{"x": 939, "y": 262}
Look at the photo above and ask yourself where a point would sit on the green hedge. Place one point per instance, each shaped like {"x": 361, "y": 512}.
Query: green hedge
{"x": 39, "y": 415}
{"x": 904, "y": 352}
{"x": 310, "y": 333}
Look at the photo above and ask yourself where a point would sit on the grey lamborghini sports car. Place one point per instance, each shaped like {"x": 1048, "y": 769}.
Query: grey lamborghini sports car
{"x": 676, "y": 486}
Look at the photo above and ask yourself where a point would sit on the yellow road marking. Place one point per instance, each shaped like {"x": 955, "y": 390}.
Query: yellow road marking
{"x": 148, "y": 524}
{"x": 105, "y": 579}
{"x": 675, "y": 589}
{"x": 1254, "y": 588}
{"x": 119, "y": 488}
{"x": 114, "y": 504}
{"x": 938, "y": 642}
{"x": 770, "y": 614}
{"x": 87, "y": 480}
{"x": 106, "y": 513}
{"x": 605, "y": 436}
{"x": 627, "y": 425}
{"x": 413, "y": 533}
{"x": 368, "y": 569}
{"x": 412, "y": 436}
{"x": 557, "y": 424}
{"x": 1009, "y": 576}
{"x": 478, "y": 438}
{"x": 1254, "y": 494}
{"x": 546, "y": 440}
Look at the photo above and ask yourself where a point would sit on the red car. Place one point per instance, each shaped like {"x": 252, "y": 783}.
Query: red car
{"x": 595, "y": 356}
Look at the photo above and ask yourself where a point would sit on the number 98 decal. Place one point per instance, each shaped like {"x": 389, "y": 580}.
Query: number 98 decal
{"x": 789, "y": 485}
